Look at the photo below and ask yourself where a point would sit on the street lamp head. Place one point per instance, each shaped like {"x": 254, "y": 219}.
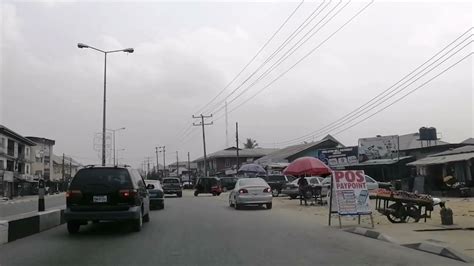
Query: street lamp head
{"x": 122, "y": 128}
{"x": 81, "y": 45}
{"x": 129, "y": 50}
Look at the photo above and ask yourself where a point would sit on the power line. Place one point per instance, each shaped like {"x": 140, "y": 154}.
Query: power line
{"x": 410, "y": 92}
{"x": 301, "y": 59}
{"x": 253, "y": 58}
{"x": 390, "y": 90}
{"x": 290, "y": 51}
{"x": 284, "y": 44}
{"x": 397, "y": 100}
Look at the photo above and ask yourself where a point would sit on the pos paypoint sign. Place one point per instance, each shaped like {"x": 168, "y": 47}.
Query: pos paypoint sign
{"x": 351, "y": 194}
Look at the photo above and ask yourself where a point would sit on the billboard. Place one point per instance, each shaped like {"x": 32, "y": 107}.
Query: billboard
{"x": 350, "y": 192}
{"x": 339, "y": 157}
{"x": 383, "y": 147}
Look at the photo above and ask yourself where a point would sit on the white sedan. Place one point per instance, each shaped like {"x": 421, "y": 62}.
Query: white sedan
{"x": 372, "y": 185}
{"x": 251, "y": 191}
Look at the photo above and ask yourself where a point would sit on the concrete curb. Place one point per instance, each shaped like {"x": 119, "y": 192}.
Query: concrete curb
{"x": 370, "y": 233}
{"x": 23, "y": 226}
{"x": 423, "y": 246}
{"x": 440, "y": 251}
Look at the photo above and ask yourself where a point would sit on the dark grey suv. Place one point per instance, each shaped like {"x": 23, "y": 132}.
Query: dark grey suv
{"x": 99, "y": 193}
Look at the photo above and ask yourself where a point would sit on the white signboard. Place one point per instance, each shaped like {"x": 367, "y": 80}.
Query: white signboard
{"x": 383, "y": 147}
{"x": 350, "y": 192}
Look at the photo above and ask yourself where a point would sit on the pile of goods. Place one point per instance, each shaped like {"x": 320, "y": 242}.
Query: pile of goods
{"x": 402, "y": 195}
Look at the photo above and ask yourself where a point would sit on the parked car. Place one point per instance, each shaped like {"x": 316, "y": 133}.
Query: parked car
{"x": 172, "y": 185}
{"x": 210, "y": 185}
{"x": 251, "y": 191}
{"x": 157, "y": 196}
{"x": 276, "y": 182}
{"x": 187, "y": 185}
{"x": 98, "y": 193}
{"x": 228, "y": 183}
{"x": 372, "y": 185}
{"x": 292, "y": 190}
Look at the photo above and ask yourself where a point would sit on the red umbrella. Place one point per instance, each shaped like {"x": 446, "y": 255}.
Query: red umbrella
{"x": 308, "y": 166}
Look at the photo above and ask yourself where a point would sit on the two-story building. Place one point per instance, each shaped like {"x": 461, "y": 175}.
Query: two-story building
{"x": 15, "y": 160}
{"x": 42, "y": 154}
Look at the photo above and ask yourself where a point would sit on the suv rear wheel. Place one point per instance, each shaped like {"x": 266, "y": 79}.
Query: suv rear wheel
{"x": 138, "y": 223}
{"x": 179, "y": 194}
{"x": 73, "y": 227}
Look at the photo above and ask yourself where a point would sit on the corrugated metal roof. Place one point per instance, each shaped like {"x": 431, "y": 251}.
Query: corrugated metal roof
{"x": 282, "y": 155}
{"x": 469, "y": 141}
{"x": 443, "y": 159}
{"x": 250, "y": 153}
{"x": 463, "y": 149}
{"x": 382, "y": 161}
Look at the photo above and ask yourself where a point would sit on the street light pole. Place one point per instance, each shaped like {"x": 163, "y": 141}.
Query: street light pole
{"x": 104, "y": 110}
{"x": 127, "y": 50}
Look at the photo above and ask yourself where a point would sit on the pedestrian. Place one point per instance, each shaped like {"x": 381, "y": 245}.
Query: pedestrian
{"x": 302, "y": 186}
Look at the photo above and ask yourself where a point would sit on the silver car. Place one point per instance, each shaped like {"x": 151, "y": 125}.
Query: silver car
{"x": 251, "y": 191}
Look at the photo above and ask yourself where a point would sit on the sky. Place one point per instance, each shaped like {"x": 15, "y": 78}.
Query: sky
{"x": 185, "y": 53}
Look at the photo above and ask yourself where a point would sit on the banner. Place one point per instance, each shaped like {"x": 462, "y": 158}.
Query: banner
{"x": 383, "y": 147}
{"x": 350, "y": 192}
{"x": 339, "y": 157}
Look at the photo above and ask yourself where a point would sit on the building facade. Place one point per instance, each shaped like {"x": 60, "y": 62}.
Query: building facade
{"x": 15, "y": 160}
{"x": 42, "y": 154}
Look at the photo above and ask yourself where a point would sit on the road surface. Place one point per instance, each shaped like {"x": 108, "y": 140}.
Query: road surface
{"x": 30, "y": 204}
{"x": 205, "y": 231}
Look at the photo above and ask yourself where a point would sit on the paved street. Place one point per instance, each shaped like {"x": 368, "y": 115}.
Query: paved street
{"x": 30, "y": 204}
{"x": 205, "y": 231}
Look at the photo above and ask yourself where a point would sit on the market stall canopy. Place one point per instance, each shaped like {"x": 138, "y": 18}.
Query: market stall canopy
{"x": 443, "y": 159}
{"x": 252, "y": 168}
{"x": 308, "y": 166}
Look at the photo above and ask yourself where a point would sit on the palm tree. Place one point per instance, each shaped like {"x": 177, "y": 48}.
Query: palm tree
{"x": 250, "y": 143}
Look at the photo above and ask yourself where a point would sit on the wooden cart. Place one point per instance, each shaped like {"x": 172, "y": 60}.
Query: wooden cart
{"x": 401, "y": 209}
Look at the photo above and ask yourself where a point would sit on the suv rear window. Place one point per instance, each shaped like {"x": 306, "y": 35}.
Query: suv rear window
{"x": 110, "y": 177}
{"x": 170, "y": 181}
{"x": 276, "y": 178}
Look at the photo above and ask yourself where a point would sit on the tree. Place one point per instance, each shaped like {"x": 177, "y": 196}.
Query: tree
{"x": 250, "y": 144}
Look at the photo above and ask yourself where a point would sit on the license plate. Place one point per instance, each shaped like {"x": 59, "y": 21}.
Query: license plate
{"x": 153, "y": 195}
{"x": 99, "y": 199}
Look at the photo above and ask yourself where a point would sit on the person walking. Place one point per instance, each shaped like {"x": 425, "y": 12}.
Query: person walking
{"x": 302, "y": 186}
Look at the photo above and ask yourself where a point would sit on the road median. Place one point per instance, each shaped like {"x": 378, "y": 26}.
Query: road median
{"x": 24, "y": 225}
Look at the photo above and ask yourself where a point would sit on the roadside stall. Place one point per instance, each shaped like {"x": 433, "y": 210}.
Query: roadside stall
{"x": 401, "y": 206}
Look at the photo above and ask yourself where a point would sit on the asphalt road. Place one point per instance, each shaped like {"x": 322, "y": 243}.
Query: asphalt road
{"x": 30, "y": 204}
{"x": 205, "y": 231}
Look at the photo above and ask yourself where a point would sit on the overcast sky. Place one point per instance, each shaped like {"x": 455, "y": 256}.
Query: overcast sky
{"x": 186, "y": 52}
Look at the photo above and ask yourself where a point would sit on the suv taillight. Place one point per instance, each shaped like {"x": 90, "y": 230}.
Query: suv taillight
{"x": 243, "y": 191}
{"x": 267, "y": 190}
{"x": 73, "y": 193}
{"x": 128, "y": 193}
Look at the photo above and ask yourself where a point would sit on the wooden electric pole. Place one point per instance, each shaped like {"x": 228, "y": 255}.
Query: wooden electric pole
{"x": 202, "y": 124}
{"x": 237, "y": 143}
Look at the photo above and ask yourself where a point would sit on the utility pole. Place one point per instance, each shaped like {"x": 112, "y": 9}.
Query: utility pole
{"x": 163, "y": 150}
{"x": 177, "y": 165}
{"x": 157, "y": 165}
{"x": 189, "y": 170}
{"x": 147, "y": 166}
{"x": 63, "y": 169}
{"x": 226, "y": 127}
{"x": 70, "y": 167}
{"x": 202, "y": 124}
{"x": 237, "y": 143}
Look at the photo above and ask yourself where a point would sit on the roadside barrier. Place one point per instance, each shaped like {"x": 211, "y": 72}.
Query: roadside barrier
{"x": 25, "y": 225}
